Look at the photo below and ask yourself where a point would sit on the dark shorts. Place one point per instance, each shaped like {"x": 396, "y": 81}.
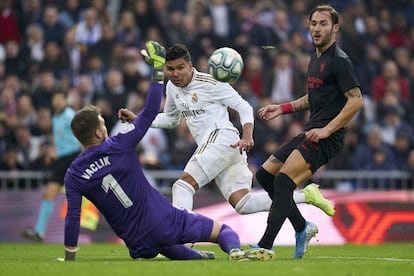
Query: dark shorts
{"x": 179, "y": 228}
{"x": 59, "y": 167}
{"x": 316, "y": 154}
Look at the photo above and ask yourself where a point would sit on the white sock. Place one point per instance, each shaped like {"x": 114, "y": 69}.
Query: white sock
{"x": 253, "y": 203}
{"x": 299, "y": 197}
{"x": 182, "y": 195}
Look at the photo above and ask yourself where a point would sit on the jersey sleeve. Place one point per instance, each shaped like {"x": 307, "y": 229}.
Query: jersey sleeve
{"x": 170, "y": 116}
{"x": 72, "y": 220}
{"x": 226, "y": 94}
{"x": 345, "y": 74}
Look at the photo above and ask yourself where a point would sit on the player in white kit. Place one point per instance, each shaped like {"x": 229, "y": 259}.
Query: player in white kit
{"x": 221, "y": 154}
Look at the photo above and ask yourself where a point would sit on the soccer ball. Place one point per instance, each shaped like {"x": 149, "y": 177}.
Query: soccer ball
{"x": 225, "y": 64}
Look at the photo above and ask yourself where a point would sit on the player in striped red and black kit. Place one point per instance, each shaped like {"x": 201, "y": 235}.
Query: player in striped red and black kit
{"x": 333, "y": 98}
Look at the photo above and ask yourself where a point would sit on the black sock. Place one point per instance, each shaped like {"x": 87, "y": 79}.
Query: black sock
{"x": 296, "y": 218}
{"x": 265, "y": 180}
{"x": 280, "y": 210}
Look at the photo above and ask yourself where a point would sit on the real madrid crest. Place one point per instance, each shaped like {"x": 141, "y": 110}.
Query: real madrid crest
{"x": 194, "y": 99}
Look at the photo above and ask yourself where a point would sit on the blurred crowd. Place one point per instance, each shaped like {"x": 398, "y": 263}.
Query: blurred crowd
{"x": 90, "y": 49}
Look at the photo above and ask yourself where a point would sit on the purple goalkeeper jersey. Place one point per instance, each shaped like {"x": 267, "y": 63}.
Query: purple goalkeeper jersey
{"x": 111, "y": 177}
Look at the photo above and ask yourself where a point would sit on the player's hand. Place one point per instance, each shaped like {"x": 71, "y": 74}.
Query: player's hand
{"x": 244, "y": 145}
{"x": 270, "y": 112}
{"x": 154, "y": 54}
{"x": 317, "y": 134}
{"x": 126, "y": 115}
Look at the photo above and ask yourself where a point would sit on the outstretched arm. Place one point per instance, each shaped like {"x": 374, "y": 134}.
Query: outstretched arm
{"x": 272, "y": 111}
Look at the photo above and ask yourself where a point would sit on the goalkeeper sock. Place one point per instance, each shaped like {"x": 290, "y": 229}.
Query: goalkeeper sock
{"x": 228, "y": 239}
{"x": 46, "y": 209}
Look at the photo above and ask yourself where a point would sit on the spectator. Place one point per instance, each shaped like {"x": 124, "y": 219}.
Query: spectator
{"x": 222, "y": 17}
{"x": 27, "y": 146}
{"x": 279, "y": 81}
{"x": 402, "y": 57}
{"x": 43, "y": 126}
{"x": 392, "y": 123}
{"x": 344, "y": 159}
{"x": 53, "y": 30}
{"x": 42, "y": 95}
{"x": 369, "y": 68}
{"x": 372, "y": 30}
{"x": 115, "y": 92}
{"x": 88, "y": 30}
{"x": 100, "y": 6}
{"x": 10, "y": 161}
{"x": 14, "y": 61}
{"x": 127, "y": 31}
{"x": 97, "y": 73}
{"x": 368, "y": 153}
{"x": 402, "y": 146}
{"x": 34, "y": 47}
{"x": 72, "y": 54}
{"x": 104, "y": 46}
{"x": 32, "y": 12}
{"x": 55, "y": 61}
{"x": 45, "y": 158}
{"x": 397, "y": 34}
{"x": 254, "y": 73}
{"x": 70, "y": 14}
{"x": 107, "y": 112}
{"x": 144, "y": 16}
{"x": 25, "y": 111}
{"x": 389, "y": 72}
{"x": 206, "y": 41}
{"x": 9, "y": 30}
{"x": 85, "y": 90}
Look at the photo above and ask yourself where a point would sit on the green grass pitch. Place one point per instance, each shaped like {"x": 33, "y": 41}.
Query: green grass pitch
{"x": 113, "y": 259}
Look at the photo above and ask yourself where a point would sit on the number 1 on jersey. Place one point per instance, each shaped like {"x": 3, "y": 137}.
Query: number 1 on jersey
{"x": 109, "y": 182}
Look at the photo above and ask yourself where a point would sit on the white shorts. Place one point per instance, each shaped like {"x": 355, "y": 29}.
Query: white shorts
{"x": 217, "y": 160}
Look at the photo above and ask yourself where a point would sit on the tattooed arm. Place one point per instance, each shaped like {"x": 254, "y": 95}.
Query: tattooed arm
{"x": 353, "y": 104}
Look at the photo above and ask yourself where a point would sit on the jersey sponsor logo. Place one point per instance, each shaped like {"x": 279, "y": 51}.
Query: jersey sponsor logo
{"x": 192, "y": 113}
{"x": 314, "y": 82}
{"x": 194, "y": 98}
{"x": 96, "y": 166}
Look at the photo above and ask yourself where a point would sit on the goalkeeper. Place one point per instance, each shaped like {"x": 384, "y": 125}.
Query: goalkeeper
{"x": 108, "y": 173}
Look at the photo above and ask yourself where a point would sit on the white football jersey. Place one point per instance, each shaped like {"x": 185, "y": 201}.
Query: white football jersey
{"x": 203, "y": 104}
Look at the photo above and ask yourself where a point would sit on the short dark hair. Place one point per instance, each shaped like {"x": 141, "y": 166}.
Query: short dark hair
{"x": 328, "y": 8}
{"x": 60, "y": 91}
{"x": 84, "y": 124}
{"x": 178, "y": 51}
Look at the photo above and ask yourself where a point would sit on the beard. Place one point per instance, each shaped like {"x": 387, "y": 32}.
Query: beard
{"x": 323, "y": 42}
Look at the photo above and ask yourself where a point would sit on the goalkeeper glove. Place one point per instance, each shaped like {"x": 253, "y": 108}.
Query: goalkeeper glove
{"x": 154, "y": 55}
